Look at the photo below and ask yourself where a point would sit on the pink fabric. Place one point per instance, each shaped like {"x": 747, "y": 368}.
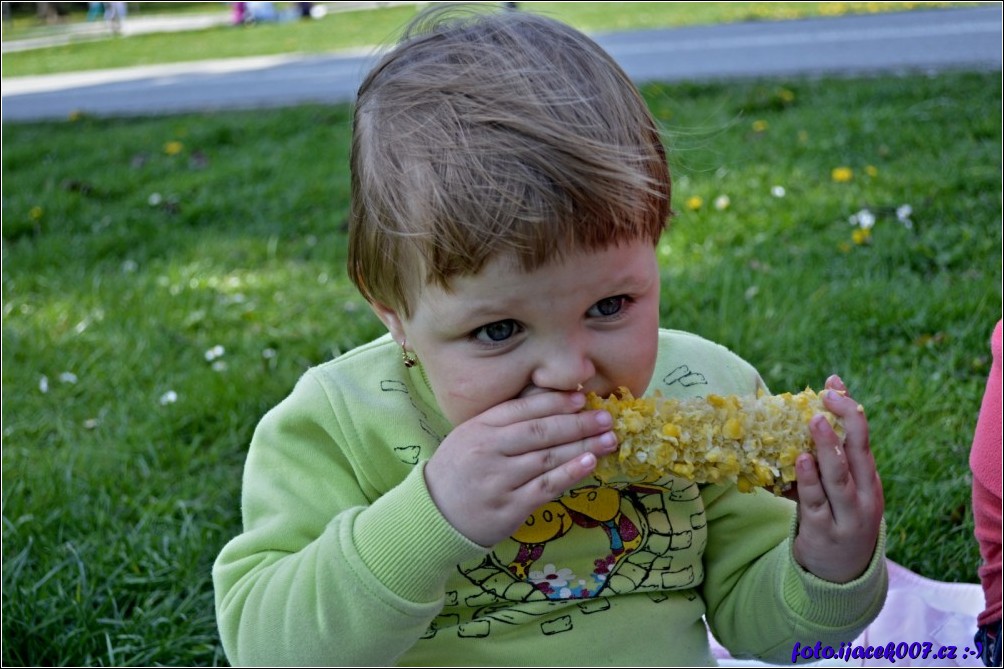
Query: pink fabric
{"x": 985, "y": 459}
{"x": 917, "y": 609}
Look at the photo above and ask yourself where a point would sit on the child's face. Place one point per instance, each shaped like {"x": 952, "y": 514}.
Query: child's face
{"x": 591, "y": 319}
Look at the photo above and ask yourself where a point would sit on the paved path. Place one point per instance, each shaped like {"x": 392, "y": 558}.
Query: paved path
{"x": 922, "y": 40}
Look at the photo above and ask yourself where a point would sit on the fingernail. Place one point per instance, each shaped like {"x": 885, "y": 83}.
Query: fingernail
{"x": 804, "y": 462}
{"x": 588, "y": 460}
{"x": 578, "y": 400}
{"x": 604, "y": 419}
{"x": 608, "y": 441}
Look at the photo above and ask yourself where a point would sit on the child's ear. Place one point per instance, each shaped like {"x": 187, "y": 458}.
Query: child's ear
{"x": 390, "y": 318}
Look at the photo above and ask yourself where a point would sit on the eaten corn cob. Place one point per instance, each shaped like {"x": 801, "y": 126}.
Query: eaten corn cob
{"x": 752, "y": 441}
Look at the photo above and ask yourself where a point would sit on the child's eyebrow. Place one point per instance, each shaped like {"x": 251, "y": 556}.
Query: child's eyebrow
{"x": 628, "y": 283}
{"x": 489, "y": 309}
{"x": 479, "y": 312}
{"x": 632, "y": 283}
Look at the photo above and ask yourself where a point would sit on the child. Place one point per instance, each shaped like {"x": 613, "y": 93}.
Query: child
{"x": 985, "y": 463}
{"x": 426, "y": 498}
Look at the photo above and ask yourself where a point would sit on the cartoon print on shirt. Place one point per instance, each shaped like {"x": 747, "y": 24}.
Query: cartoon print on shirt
{"x": 392, "y": 386}
{"x": 410, "y": 454}
{"x": 587, "y": 507}
{"x": 638, "y": 538}
{"x": 684, "y": 377}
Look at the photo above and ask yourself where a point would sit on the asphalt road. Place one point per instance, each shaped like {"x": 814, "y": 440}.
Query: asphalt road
{"x": 899, "y": 42}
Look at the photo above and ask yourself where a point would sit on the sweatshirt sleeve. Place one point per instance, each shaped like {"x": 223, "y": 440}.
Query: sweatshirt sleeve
{"x": 760, "y": 601}
{"x": 327, "y": 571}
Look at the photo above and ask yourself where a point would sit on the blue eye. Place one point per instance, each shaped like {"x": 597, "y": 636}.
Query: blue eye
{"x": 496, "y": 332}
{"x": 607, "y": 307}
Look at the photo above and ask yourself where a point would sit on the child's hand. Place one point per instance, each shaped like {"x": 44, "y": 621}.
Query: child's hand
{"x": 494, "y": 470}
{"x": 840, "y": 503}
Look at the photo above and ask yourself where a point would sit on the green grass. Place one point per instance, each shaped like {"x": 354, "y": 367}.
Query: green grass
{"x": 360, "y": 29}
{"x": 125, "y": 263}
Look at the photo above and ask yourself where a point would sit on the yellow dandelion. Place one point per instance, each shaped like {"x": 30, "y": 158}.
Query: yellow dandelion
{"x": 842, "y": 174}
{"x": 759, "y": 125}
{"x": 844, "y": 247}
{"x": 694, "y": 202}
{"x": 35, "y": 213}
{"x": 861, "y": 236}
{"x": 74, "y": 115}
{"x": 173, "y": 148}
{"x": 786, "y": 96}
{"x": 871, "y": 171}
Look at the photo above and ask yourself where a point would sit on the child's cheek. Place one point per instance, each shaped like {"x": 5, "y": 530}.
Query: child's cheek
{"x": 644, "y": 366}
{"x": 466, "y": 393}
{"x": 637, "y": 359}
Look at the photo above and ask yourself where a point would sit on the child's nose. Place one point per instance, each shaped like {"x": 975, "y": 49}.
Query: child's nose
{"x": 564, "y": 367}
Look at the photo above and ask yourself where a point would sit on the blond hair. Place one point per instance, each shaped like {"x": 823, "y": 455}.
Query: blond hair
{"x": 485, "y": 134}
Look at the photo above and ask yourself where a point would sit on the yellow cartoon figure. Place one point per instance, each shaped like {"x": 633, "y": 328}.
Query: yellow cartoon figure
{"x": 587, "y": 507}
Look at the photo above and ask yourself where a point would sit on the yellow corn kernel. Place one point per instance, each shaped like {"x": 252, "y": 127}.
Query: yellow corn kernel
{"x": 733, "y": 429}
{"x": 671, "y": 430}
{"x": 752, "y": 441}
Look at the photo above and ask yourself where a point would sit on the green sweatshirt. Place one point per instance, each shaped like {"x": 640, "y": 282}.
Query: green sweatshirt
{"x": 345, "y": 559}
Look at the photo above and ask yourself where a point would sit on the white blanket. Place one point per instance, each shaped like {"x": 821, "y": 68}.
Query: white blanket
{"x": 920, "y": 616}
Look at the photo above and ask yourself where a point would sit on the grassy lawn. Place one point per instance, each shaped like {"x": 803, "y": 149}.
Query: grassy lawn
{"x": 360, "y": 29}
{"x": 166, "y": 281}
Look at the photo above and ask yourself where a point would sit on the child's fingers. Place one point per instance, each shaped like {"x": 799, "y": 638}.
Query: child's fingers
{"x": 534, "y": 463}
{"x": 813, "y": 505}
{"x": 544, "y": 434}
{"x": 836, "y": 480}
{"x": 834, "y": 382}
{"x": 543, "y": 420}
{"x": 857, "y": 447}
{"x": 840, "y": 501}
{"x": 530, "y": 407}
{"x": 555, "y": 482}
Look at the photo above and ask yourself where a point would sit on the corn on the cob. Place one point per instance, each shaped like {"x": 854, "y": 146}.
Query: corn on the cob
{"x": 752, "y": 441}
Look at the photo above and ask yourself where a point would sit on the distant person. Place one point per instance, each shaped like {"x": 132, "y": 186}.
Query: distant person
{"x": 240, "y": 13}
{"x": 95, "y": 10}
{"x": 985, "y": 460}
{"x": 428, "y": 498}
{"x": 262, "y": 12}
{"x": 115, "y": 16}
